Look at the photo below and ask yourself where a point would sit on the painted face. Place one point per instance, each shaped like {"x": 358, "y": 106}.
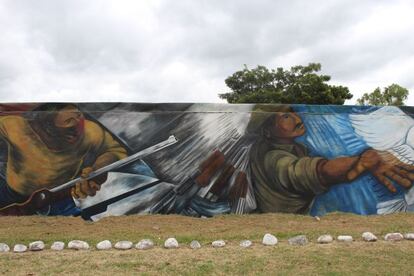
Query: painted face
{"x": 69, "y": 124}
{"x": 287, "y": 125}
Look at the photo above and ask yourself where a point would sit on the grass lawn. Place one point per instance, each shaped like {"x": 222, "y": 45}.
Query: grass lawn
{"x": 385, "y": 258}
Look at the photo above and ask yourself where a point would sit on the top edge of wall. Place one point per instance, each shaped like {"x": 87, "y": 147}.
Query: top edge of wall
{"x": 97, "y": 107}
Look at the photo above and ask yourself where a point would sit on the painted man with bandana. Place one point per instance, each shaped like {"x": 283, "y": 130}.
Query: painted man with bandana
{"x": 51, "y": 145}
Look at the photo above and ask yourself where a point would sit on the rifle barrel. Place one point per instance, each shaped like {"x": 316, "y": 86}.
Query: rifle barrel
{"x": 166, "y": 143}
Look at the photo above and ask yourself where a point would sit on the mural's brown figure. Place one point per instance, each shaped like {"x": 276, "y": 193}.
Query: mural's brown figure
{"x": 51, "y": 146}
{"x": 287, "y": 179}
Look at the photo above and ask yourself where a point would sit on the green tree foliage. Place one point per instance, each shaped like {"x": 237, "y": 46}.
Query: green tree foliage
{"x": 391, "y": 95}
{"x": 300, "y": 84}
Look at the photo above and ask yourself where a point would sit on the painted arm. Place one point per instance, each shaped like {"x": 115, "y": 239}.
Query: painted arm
{"x": 384, "y": 166}
{"x": 109, "y": 152}
{"x": 336, "y": 171}
{"x": 3, "y": 129}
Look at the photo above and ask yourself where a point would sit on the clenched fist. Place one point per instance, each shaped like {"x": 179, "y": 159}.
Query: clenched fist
{"x": 85, "y": 187}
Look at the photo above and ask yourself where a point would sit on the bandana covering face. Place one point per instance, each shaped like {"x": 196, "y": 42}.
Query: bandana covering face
{"x": 71, "y": 134}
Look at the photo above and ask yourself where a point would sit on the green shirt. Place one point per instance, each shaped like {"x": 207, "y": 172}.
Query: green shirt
{"x": 285, "y": 178}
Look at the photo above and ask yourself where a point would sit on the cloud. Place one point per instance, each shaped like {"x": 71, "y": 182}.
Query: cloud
{"x": 181, "y": 51}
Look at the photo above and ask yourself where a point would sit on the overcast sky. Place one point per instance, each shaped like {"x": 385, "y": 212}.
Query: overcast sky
{"x": 181, "y": 51}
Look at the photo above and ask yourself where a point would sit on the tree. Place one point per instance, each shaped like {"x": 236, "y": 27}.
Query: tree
{"x": 300, "y": 84}
{"x": 391, "y": 95}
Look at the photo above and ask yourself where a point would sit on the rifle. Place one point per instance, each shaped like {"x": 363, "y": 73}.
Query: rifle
{"x": 238, "y": 192}
{"x": 42, "y": 198}
{"x": 178, "y": 198}
{"x": 221, "y": 182}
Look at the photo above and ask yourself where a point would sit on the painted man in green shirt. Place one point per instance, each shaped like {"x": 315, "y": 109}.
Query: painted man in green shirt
{"x": 286, "y": 179}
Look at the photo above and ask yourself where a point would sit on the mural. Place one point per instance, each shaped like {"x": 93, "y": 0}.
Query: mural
{"x": 103, "y": 159}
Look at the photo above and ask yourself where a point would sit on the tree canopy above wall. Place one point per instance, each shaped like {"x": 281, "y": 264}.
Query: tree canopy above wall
{"x": 299, "y": 84}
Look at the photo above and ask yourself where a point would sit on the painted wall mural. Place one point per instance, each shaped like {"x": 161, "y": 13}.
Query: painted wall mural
{"x": 103, "y": 159}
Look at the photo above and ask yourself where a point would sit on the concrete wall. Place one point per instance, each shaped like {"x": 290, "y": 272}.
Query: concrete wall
{"x": 227, "y": 159}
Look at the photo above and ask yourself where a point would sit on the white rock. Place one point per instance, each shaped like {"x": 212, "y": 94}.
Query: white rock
{"x": 4, "y": 247}
{"x": 171, "y": 243}
{"x": 195, "y": 245}
{"x": 394, "y": 237}
{"x": 20, "y": 248}
{"x": 36, "y": 246}
{"x": 219, "y": 243}
{"x": 269, "y": 239}
{"x": 124, "y": 245}
{"x": 345, "y": 238}
{"x": 104, "y": 245}
{"x": 369, "y": 237}
{"x": 409, "y": 236}
{"x": 144, "y": 244}
{"x": 325, "y": 239}
{"x": 78, "y": 245}
{"x": 246, "y": 243}
{"x": 58, "y": 246}
{"x": 298, "y": 240}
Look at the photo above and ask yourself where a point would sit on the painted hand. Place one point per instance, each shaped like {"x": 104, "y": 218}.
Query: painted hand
{"x": 385, "y": 167}
{"x": 86, "y": 188}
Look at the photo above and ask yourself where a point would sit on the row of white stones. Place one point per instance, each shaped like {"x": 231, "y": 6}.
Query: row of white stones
{"x": 268, "y": 239}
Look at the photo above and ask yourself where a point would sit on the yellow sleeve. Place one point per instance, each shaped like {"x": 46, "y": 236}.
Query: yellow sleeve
{"x": 105, "y": 148}
{"x": 3, "y": 127}
{"x": 110, "y": 145}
